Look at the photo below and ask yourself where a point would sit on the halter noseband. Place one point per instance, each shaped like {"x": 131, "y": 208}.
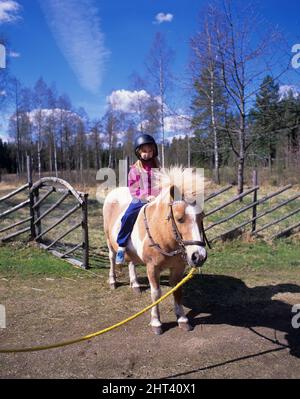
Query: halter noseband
{"x": 178, "y": 237}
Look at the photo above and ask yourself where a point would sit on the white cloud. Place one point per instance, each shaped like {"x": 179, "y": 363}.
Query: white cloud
{"x": 175, "y": 136}
{"x": 125, "y": 100}
{"x": 14, "y": 54}
{"x": 162, "y": 17}
{"x": 175, "y": 126}
{"x": 9, "y": 11}
{"x": 178, "y": 123}
{"x": 75, "y": 25}
{"x": 45, "y": 113}
{"x": 284, "y": 91}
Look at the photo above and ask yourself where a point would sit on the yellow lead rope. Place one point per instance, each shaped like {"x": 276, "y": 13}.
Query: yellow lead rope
{"x": 105, "y": 330}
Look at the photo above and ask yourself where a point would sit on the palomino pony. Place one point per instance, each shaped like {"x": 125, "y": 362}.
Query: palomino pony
{"x": 168, "y": 234}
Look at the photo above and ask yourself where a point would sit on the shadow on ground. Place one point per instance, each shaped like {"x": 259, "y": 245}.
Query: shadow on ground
{"x": 219, "y": 299}
{"x": 228, "y": 300}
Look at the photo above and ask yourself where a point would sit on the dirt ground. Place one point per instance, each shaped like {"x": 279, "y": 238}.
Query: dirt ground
{"x": 240, "y": 331}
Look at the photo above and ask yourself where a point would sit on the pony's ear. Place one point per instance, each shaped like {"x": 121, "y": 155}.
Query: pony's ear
{"x": 175, "y": 193}
{"x": 172, "y": 189}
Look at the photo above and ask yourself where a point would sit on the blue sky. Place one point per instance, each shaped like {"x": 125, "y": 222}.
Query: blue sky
{"x": 90, "y": 47}
{"x": 120, "y": 32}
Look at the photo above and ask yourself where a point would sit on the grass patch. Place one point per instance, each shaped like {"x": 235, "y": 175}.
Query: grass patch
{"x": 243, "y": 258}
{"x": 236, "y": 258}
{"x": 24, "y": 261}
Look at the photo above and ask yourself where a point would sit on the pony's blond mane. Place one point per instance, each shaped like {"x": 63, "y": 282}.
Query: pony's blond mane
{"x": 189, "y": 181}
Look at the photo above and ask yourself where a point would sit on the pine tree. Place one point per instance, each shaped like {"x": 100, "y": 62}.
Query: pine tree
{"x": 290, "y": 124}
{"x": 265, "y": 119}
{"x": 207, "y": 108}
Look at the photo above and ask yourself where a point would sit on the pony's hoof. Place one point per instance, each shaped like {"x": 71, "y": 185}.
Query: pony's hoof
{"x": 113, "y": 286}
{"x": 137, "y": 290}
{"x": 185, "y": 326}
{"x": 157, "y": 330}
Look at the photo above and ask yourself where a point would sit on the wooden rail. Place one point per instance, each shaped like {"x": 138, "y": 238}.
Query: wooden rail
{"x": 66, "y": 215}
{"x": 14, "y": 209}
{"x": 213, "y": 195}
{"x": 276, "y": 221}
{"x": 285, "y": 231}
{"x": 257, "y": 202}
{"x": 15, "y": 192}
{"x": 36, "y": 219}
{"x": 254, "y": 205}
{"x": 259, "y": 215}
{"x": 18, "y": 207}
{"x": 236, "y": 198}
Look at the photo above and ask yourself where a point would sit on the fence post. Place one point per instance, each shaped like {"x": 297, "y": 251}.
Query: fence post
{"x": 31, "y": 198}
{"x": 37, "y": 212}
{"x": 85, "y": 233}
{"x": 254, "y": 208}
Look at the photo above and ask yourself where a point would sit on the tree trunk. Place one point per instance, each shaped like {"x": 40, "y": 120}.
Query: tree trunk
{"x": 241, "y": 176}
{"x": 67, "y": 152}
{"x": 215, "y": 135}
{"x": 55, "y": 158}
{"x": 61, "y": 149}
{"x": 81, "y": 168}
{"x": 189, "y": 152}
{"x": 18, "y": 147}
{"x": 50, "y": 157}
{"x": 39, "y": 160}
{"x": 241, "y": 158}
{"x": 162, "y": 116}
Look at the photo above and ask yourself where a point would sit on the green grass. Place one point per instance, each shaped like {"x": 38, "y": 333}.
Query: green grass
{"x": 233, "y": 258}
{"x": 238, "y": 255}
{"x": 226, "y": 257}
{"x": 21, "y": 260}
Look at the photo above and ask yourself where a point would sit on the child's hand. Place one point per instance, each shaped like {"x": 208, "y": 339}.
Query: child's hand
{"x": 150, "y": 198}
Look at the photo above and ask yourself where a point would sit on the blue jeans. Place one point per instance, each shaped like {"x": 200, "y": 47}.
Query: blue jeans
{"x": 128, "y": 220}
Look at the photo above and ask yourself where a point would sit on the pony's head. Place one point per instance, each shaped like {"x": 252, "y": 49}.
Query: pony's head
{"x": 182, "y": 193}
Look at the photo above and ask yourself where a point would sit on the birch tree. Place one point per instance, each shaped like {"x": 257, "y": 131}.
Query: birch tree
{"x": 40, "y": 92}
{"x": 209, "y": 95}
{"x": 158, "y": 66}
{"x": 15, "y": 122}
{"x": 111, "y": 124}
{"x": 95, "y": 140}
{"x": 242, "y": 58}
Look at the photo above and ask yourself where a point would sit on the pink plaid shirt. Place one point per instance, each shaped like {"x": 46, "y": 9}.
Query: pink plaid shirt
{"x": 142, "y": 183}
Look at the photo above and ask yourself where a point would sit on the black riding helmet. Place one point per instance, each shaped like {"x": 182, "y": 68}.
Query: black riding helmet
{"x": 144, "y": 139}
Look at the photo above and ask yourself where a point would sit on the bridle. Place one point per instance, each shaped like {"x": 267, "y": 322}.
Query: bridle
{"x": 177, "y": 235}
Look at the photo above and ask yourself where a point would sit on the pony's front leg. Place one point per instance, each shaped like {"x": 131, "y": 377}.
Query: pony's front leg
{"x": 134, "y": 284}
{"x": 112, "y": 270}
{"x": 153, "y": 276}
{"x": 183, "y": 322}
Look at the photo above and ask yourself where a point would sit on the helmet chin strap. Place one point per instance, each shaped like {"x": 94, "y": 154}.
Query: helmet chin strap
{"x": 146, "y": 160}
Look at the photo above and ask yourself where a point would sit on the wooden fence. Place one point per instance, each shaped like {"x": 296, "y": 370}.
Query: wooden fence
{"x": 37, "y": 193}
{"x": 254, "y": 205}
{"x": 35, "y": 218}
